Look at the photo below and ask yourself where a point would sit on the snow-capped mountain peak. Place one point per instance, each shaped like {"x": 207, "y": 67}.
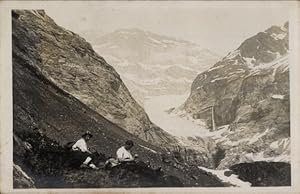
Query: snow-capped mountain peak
{"x": 153, "y": 64}
{"x": 263, "y": 48}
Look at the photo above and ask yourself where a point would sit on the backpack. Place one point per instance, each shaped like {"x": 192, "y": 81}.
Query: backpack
{"x": 69, "y": 145}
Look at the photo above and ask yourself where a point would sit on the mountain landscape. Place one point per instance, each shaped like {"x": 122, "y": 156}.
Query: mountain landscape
{"x": 244, "y": 100}
{"x": 62, "y": 88}
{"x": 152, "y": 64}
{"x": 71, "y": 64}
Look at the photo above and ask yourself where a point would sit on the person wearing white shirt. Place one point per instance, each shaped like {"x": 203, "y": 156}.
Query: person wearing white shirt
{"x": 123, "y": 153}
{"x": 81, "y": 147}
{"x": 81, "y": 144}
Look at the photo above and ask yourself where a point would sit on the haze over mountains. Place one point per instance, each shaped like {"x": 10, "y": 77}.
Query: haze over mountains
{"x": 152, "y": 64}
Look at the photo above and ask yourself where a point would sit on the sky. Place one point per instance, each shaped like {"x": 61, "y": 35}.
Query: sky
{"x": 218, "y": 26}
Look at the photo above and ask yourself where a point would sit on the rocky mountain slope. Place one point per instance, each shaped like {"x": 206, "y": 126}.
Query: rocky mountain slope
{"x": 69, "y": 62}
{"x": 61, "y": 88}
{"x": 152, "y": 64}
{"x": 249, "y": 92}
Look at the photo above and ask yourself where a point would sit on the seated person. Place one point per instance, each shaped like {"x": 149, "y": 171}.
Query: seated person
{"x": 123, "y": 153}
{"x": 82, "y": 151}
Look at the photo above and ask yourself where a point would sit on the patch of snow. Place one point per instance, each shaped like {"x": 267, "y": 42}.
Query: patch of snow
{"x": 148, "y": 149}
{"x": 278, "y": 55}
{"x": 217, "y": 67}
{"x": 283, "y": 28}
{"x": 217, "y": 134}
{"x": 226, "y": 141}
{"x": 257, "y": 136}
{"x": 232, "y": 143}
{"x": 236, "y": 62}
{"x": 170, "y": 42}
{"x": 237, "y": 71}
{"x": 231, "y": 75}
{"x": 220, "y": 78}
{"x": 181, "y": 113}
{"x": 233, "y": 54}
{"x": 282, "y": 143}
{"x": 249, "y": 61}
{"x": 126, "y": 32}
{"x": 154, "y": 40}
{"x": 278, "y": 96}
{"x": 36, "y": 13}
{"x": 260, "y": 157}
{"x": 278, "y": 36}
{"x": 232, "y": 179}
{"x": 282, "y": 61}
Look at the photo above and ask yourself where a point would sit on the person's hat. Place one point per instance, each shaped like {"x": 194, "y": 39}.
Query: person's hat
{"x": 87, "y": 133}
{"x": 129, "y": 143}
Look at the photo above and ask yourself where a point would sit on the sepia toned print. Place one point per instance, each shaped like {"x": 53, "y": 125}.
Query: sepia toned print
{"x": 140, "y": 102}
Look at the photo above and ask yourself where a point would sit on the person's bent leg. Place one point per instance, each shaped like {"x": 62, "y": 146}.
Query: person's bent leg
{"x": 87, "y": 160}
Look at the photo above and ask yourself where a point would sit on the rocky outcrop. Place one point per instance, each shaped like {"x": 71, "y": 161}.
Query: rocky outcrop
{"x": 69, "y": 62}
{"x": 249, "y": 91}
{"x": 264, "y": 173}
{"x": 21, "y": 179}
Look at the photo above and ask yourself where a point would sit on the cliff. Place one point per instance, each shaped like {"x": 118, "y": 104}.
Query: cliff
{"x": 249, "y": 92}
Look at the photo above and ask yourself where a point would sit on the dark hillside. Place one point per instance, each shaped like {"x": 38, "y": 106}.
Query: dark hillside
{"x": 71, "y": 64}
{"x": 264, "y": 173}
{"x": 46, "y": 117}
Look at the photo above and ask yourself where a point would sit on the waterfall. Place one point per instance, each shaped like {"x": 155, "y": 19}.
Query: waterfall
{"x": 213, "y": 123}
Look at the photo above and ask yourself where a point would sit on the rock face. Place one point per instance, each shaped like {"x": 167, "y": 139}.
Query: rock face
{"x": 264, "y": 173}
{"x": 21, "y": 179}
{"x": 51, "y": 67}
{"x": 70, "y": 63}
{"x": 249, "y": 91}
{"x": 152, "y": 64}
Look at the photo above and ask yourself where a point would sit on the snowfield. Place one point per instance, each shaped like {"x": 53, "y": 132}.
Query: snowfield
{"x": 232, "y": 179}
{"x": 156, "y": 107}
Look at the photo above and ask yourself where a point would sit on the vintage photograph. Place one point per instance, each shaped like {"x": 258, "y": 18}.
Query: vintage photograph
{"x": 151, "y": 94}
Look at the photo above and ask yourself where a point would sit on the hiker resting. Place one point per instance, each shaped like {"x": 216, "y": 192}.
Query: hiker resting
{"x": 123, "y": 153}
{"x": 81, "y": 150}
{"x": 127, "y": 161}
